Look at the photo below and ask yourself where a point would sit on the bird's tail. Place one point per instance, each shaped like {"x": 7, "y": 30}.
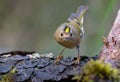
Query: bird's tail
{"x": 80, "y": 13}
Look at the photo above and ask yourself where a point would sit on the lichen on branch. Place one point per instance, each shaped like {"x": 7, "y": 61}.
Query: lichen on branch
{"x": 110, "y": 52}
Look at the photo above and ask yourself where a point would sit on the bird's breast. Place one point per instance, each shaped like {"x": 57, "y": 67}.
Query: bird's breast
{"x": 69, "y": 42}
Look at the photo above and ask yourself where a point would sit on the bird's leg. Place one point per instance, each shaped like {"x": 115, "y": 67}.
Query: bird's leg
{"x": 78, "y": 58}
{"x": 60, "y": 56}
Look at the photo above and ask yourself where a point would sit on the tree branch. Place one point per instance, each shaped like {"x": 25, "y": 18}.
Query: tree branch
{"x": 110, "y": 52}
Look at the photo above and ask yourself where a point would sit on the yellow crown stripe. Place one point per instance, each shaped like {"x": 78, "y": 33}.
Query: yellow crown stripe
{"x": 67, "y": 29}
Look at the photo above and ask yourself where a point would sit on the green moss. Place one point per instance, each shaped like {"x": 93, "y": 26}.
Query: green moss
{"x": 98, "y": 71}
{"x": 9, "y": 77}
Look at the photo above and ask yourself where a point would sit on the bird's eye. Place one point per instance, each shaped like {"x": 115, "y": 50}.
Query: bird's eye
{"x": 71, "y": 34}
{"x": 61, "y": 34}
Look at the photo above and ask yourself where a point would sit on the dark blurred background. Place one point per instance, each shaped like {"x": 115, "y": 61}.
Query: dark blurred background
{"x": 30, "y": 24}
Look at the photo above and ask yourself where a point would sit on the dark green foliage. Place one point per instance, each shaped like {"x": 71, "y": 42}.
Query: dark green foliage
{"x": 9, "y": 77}
{"x": 98, "y": 71}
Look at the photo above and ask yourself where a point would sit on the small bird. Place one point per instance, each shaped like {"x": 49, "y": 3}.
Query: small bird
{"x": 69, "y": 34}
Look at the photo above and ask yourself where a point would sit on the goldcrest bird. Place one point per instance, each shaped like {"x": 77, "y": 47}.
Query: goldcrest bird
{"x": 69, "y": 34}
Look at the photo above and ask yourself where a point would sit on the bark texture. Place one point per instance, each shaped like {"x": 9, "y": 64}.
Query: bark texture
{"x": 110, "y": 52}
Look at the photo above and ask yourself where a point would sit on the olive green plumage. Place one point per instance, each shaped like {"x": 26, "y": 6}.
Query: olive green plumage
{"x": 72, "y": 38}
{"x": 70, "y": 33}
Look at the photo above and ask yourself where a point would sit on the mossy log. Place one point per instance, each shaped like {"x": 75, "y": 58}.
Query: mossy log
{"x": 35, "y": 67}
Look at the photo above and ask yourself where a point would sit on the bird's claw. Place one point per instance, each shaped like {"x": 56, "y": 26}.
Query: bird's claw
{"x": 58, "y": 58}
{"x": 77, "y": 61}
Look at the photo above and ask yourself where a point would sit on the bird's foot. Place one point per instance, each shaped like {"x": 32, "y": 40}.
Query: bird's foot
{"x": 58, "y": 58}
{"x": 77, "y": 61}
